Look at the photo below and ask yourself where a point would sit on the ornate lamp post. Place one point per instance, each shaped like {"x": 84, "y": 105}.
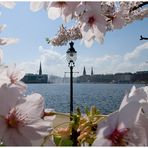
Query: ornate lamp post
{"x": 71, "y": 56}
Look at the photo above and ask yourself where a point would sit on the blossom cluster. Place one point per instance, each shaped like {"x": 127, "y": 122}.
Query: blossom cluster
{"x": 94, "y": 18}
{"x": 128, "y": 125}
{"x": 22, "y": 117}
{"x": 64, "y": 35}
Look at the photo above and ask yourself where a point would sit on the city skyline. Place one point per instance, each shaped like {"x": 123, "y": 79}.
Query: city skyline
{"x": 122, "y": 50}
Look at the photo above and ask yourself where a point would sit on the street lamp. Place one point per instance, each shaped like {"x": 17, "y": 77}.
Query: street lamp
{"x": 71, "y": 56}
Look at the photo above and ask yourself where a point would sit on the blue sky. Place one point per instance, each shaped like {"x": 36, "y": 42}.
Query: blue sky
{"x": 122, "y": 51}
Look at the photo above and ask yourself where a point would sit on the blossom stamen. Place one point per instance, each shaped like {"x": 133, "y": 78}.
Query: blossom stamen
{"x": 118, "y": 137}
{"x": 61, "y": 3}
{"x": 15, "y": 119}
{"x": 91, "y": 20}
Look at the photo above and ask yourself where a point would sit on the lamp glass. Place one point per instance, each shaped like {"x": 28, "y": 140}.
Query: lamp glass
{"x": 71, "y": 56}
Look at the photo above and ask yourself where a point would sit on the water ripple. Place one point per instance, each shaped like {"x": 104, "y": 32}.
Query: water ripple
{"x": 106, "y": 97}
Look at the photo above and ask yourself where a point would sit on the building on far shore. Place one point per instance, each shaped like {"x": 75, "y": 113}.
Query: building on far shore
{"x": 127, "y": 77}
{"x": 36, "y": 78}
{"x": 123, "y": 77}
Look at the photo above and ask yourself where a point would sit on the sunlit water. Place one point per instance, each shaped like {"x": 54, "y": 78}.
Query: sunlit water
{"x": 106, "y": 97}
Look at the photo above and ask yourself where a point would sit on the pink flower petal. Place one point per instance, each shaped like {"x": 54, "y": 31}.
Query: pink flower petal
{"x": 12, "y": 137}
{"x": 38, "y": 129}
{"x": 118, "y": 23}
{"x": 102, "y": 142}
{"x": 3, "y": 126}
{"x": 54, "y": 13}
{"x": 1, "y": 56}
{"x": 33, "y": 106}
{"x": 98, "y": 34}
{"x": 8, "y": 98}
{"x": 129, "y": 114}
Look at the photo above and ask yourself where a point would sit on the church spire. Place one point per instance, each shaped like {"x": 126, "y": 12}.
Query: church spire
{"x": 40, "y": 69}
{"x": 84, "y": 71}
{"x": 92, "y": 73}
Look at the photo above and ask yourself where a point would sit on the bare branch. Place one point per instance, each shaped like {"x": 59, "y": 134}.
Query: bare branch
{"x": 143, "y": 38}
{"x": 139, "y": 6}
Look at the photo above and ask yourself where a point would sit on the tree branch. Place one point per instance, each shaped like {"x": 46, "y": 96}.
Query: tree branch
{"x": 139, "y": 6}
{"x": 143, "y": 38}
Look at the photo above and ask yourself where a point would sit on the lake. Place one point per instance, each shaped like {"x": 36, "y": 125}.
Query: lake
{"x": 106, "y": 97}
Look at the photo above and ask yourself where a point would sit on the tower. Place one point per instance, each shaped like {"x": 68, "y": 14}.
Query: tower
{"x": 84, "y": 71}
{"x": 40, "y": 69}
{"x": 92, "y": 73}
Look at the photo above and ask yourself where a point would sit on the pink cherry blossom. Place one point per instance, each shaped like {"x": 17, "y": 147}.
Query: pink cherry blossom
{"x": 117, "y": 20}
{"x": 99, "y": 17}
{"x": 12, "y": 76}
{"x": 88, "y": 6}
{"x": 139, "y": 95}
{"x": 125, "y": 126}
{"x": 62, "y": 9}
{"x": 93, "y": 25}
{"x": 20, "y": 117}
{"x": 143, "y": 121}
{"x": 115, "y": 131}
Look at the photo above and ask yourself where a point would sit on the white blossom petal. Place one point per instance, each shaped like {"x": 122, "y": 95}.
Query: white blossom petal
{"x": 8, "y": 41}
{"x": 36, "y": 6}
{"x": 41, "y": 127}
{"x": 3, "y": 126}
{"x": 1, "y": 56}
{"x": 98, "y": 34}
{"x": 33, "y": 106}
{"x": 8, "y": 98}
{"x": 118, "y": 23}
{"x": 12, "y": 137}
{"x": 2, "y": 27}
{"x": 8, "y": 5}
{"x": 88, "y": 43}
{"x": 102, "y": 142}
{"x": 129, "y": 114}
{"x": 54, "y": 13}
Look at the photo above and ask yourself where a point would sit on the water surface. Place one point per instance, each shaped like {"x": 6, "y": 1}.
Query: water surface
{"x": 106, "y": 97}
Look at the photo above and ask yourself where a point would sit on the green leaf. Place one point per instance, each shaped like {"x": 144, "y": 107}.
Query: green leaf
{"x": 93, "y": 110}
{"x": 67, "y": 142}
{"x": 57, "y": 140}
{"x": 2, "y": 145}
{"x": 87, "y": 111}
{"x": 78, "y": 111}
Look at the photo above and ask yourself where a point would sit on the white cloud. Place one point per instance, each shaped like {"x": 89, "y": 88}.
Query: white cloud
{"x": 52, "y": 62}
{"x": 55, "y": 63}
{"x": 136, "y": 52}
{"x": 143, "y": 65}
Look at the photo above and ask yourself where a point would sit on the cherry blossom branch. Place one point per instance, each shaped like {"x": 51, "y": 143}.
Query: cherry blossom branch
{"x": 97, "y": 17}
{"x": 65, "y": 35}
{"x": 139, "y": 6}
